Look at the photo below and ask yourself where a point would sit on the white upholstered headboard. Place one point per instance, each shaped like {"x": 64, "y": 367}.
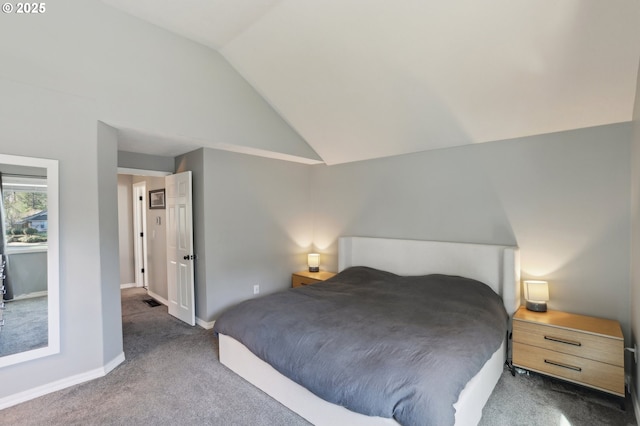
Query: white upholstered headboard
{"x": 497, "y": 266}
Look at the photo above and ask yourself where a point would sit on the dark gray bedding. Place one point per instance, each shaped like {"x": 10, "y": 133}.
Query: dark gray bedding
{"x": 377, "y": 343}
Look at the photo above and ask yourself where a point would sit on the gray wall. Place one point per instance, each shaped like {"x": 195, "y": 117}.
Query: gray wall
{"x": 125, "y": 229}
{"x": 635, "y": 241}
{"x": 563, "y": 198}
{"x": 135, "y": 160}
{"x": 108, "y": 225}
{"x": 67, "y": 132}
{"x": 253, "y": 223}
{"x": 28, "y": 272}
{"x": 142, "y": 77}
{"x": 103, "y": 65}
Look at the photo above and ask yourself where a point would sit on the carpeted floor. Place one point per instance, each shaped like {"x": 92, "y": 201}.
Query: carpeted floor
{"x": 26, "y": 325}
{"x": 172, "y": 377}
{"x": 532, "y": 399}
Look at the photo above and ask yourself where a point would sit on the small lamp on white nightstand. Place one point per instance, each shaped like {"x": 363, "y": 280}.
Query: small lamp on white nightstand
{"x": 313, "y": 260}
{"x": 536, "y": 293}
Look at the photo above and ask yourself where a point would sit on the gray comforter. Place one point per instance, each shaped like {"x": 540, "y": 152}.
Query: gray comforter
{"x": 376, "y": 343}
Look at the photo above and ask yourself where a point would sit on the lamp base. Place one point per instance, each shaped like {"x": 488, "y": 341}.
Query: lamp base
{"x": 314, "y": 269}
{"x": 537, "y": 306}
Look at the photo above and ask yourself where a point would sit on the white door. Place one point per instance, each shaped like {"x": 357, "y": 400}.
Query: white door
{"x": 139, "y": 233}
{"x": 180, "y": 247}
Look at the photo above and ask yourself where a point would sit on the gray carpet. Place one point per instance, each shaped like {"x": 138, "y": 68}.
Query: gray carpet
{"x": 26, "y": 325}
{"x": 172, "y": 377}
{"x": 539, "y": 400}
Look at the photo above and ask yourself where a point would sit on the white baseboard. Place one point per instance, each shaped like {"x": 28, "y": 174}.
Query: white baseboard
{"x": 160, "y": 299}
{"x": 127, "y": 285}
{"x": 27, "y": 395}
{"x": 31, "y": 295}
{"x": 207, "y": 325}
{"x": 111, "y": 365}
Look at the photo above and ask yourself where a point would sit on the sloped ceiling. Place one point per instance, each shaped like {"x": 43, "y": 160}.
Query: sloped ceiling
{"x": 360, "y": 79}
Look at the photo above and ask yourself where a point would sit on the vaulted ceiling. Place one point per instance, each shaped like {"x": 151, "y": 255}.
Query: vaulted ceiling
{"x": 361, "y": 79}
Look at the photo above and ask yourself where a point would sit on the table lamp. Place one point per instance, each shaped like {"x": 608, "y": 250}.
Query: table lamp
{"x": 313, "y": 260}
{"x": 536, "y": 293}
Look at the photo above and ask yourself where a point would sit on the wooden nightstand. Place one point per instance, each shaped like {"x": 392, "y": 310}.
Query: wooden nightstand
{"x": 585, "y": 350}
{"x": 305, "y": 277}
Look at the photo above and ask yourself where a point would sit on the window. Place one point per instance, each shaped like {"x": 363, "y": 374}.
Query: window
{"x": 25, "y": 211}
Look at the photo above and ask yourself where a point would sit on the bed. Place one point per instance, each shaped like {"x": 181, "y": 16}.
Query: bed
{"x": 495, "y": 266}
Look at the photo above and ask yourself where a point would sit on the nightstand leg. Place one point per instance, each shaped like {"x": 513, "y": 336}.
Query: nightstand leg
{"x": 509, "y": 362}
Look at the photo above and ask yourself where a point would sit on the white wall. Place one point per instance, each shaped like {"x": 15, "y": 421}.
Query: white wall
{"x": 125, "y": 229}
{"x": 563, "y": 198}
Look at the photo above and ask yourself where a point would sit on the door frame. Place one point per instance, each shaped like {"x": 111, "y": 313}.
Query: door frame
{"x": 139, "y": 190}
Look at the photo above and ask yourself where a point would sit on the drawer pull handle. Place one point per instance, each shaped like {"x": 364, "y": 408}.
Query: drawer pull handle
{"x": 559, "y": 364}
{"x": 567, "y": 342}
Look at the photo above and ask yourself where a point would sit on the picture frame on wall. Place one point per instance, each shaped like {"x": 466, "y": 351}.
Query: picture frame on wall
{"x": 156, "y": 199}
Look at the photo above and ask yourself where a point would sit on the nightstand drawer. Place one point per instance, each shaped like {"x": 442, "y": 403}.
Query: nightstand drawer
{"x": 573, "y": 368}
{"x": 585, "y": 345}
{"x": 301, "y": 278}
{"x": 298, "y": 281}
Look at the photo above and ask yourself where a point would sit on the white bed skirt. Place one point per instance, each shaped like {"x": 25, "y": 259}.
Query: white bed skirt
{"x": 243, "y": 362}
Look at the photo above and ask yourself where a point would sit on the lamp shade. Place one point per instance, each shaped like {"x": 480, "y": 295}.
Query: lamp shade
{"x": 313, "y": 260}
{"x": 536, "y": 293}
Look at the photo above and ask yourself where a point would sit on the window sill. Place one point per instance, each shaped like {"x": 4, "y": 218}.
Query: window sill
{"x": 24, "y": 249}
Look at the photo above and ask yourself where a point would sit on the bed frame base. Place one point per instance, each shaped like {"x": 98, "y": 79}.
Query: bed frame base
{"x": 494, "y": 265}
{"x": 298, "y": 399}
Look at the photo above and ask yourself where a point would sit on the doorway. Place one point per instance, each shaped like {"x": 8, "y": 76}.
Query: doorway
{"x": 142, "y": 233}
{"x": 160, "y": 237}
